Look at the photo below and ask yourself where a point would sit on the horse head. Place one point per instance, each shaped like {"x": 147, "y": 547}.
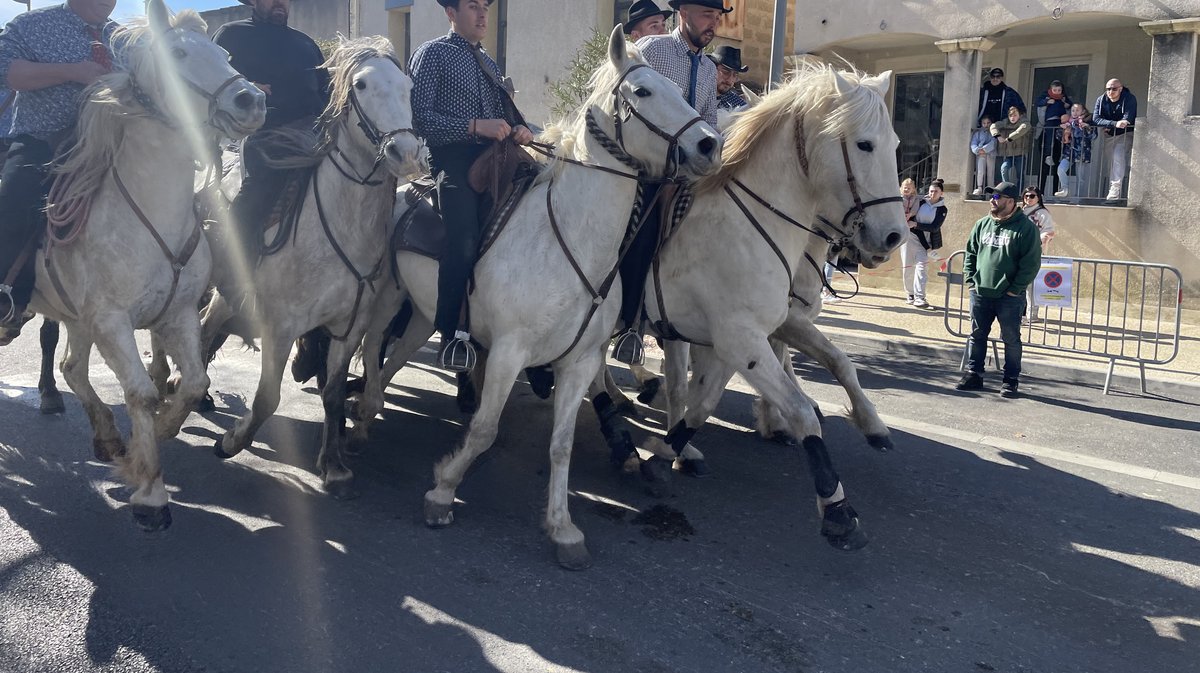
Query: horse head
{"x": 846, "y": 146}
{"x": 370, "y": 91}
{"x": 175, "y": 71}
{"x": 647, "y": 116}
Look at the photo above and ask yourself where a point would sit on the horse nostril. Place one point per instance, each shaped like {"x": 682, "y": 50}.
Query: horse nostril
{"x": 707, "y": 146}
{"x": 244, "y": 100}
{"x": 893, "y": 240}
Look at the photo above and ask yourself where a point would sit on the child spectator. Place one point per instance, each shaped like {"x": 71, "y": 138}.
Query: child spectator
{"x": 1078, "y": 134}
{"x": 1012, "y": 137}
{"x": 983, "y": 146}
{"x": 1035, "y": 209}
{"x": 924, "y": 235}
{"x": 1052, "y": 104}
{"x": 908, "y": 196}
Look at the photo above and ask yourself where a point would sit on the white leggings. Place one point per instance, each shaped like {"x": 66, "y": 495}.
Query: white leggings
{"x": 914, "y": 256}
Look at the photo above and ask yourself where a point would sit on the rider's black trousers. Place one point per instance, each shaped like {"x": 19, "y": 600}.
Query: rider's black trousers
{"x": 460, "y": 211}
{"x": 24, "y": 183}
{"x": 635, "y": 267}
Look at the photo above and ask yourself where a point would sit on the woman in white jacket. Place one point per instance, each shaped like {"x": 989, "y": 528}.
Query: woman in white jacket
{"x": 1036, "y": 209}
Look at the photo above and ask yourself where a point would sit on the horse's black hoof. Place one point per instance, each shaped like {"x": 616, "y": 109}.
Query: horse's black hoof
{"x": 151, "y": 519}
{"x": 106, "y": 451}
{"x": 784, "y": 438}
{"x": 649, "y": 390}
{"x": 841, "y": 528}
{"x": 342, "y": 489}
{"x": 438, "y": 515}
{"x": 541, "y": 380}
{"x": 574, "y": 556}
{"x": 52, "y": 403}
{"x": 219, "y": 450}
{"x": 694, "y": 467}
{"x": 882, "y": 443}
{"x": 465, "y": 398}
{"x": 657, "y": 473}
{"x": 620, "y": 444}
{"x": 206, "y": 404}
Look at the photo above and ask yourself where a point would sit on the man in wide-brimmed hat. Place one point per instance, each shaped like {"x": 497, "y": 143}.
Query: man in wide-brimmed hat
{"x": 461, "y": 105}
{"x": 678, "y": 56}
{"x": 644, "y": 18}
{"x": 729, "y": 65}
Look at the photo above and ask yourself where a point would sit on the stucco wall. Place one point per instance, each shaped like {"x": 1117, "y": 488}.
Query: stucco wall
{"x": 322, "y": 19}
{"x": 826, "y": 22}
{"x": 215, "y": 18}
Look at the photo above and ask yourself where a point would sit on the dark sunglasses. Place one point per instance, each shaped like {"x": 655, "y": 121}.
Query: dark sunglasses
{"x": 1031, "y": 196}
{"x": 997, "y": 197}
{"x": 1112, "y": 88}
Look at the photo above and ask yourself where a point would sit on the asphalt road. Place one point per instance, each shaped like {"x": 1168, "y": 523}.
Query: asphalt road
{"x": 1056, "y": 533}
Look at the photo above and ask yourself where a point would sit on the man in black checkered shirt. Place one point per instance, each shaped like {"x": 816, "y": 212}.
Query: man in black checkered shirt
{"x": 460, "y": 110}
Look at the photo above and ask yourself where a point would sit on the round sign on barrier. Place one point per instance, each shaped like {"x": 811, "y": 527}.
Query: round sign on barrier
{"x": 1053, "y": 279}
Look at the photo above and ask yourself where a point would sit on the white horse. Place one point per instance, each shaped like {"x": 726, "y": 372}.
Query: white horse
{"x": 819, "y": 146}
{"x": 540, "y": 288}
{"x": 328, "y": 269}
{"x": 141, "y": 262}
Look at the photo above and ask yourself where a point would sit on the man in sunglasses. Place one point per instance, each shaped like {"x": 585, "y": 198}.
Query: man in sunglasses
{"x": 1004, "y": 253}
{"x": 995, "y": 97}
{"x": 1116, "y": 110}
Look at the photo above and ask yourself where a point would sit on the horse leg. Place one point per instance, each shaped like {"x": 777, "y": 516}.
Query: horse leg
{"x": 275, "y": 350}
{"x": 51, "y": 400}
{"x": 758, "y": 363}
{"x": 139, "y": 467}
{"x": 769, "y": 420}
{"x": 648, "y": 383}
{"x": 107, "y": 444}
{"x": 622, "y": 451}
{"x": 709, "y": 376}
{"x": 180, "y": 338}
{"x": 804, "y": 336}
{"x": 503, "y": 365}
{"x": 331, "y": 461}
{"x": 620, "y": 402}
{"x": 160, "y": 369}
{"x": 571, "y": 380}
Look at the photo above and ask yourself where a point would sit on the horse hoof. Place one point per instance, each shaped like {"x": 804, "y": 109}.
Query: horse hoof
{"x": 841, "y": 528}
{"x": 882, "y": 443}
{"x": 438, "y": 515}
{"x": 574, "y": 556}
{"x": 628, "y": 410}
{"x": 784, "y": 438}
{"x": 541, "y": 381}
{"x": 694, "y": 467}
{"x": 657, "y": 473}
{"x": 52, "y": 403}
{"x": 219, "y": 450}
{"x": 107, "y": 450}
{"x": 342, "y": 489}
{"x": 206, "y": 404}
{"x": 649, "y": 390}
{"x": 151, "y": 519}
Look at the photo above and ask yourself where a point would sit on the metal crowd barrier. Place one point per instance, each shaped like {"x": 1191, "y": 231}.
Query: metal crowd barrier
{"x": 1122, "y": 311}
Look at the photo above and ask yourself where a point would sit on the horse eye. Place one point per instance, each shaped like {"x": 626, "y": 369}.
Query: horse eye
{"x": 179, "y": 53}
{"x": 641, "y": 92}
{"x": 360, "y": 85}
{"x": 866, "y": 146}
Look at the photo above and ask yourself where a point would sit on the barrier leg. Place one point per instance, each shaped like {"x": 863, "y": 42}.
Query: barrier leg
{"x": 962, "y": 366}
{"x": 1142, "y": 374}
{"x": 1112, "y": 363}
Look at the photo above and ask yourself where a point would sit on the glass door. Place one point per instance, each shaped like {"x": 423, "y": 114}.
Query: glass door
{"x": 917, "y": 119}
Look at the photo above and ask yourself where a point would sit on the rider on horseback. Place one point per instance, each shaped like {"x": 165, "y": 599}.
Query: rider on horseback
{"x": 460, "y": 108}
{"x": 47, "y": 57}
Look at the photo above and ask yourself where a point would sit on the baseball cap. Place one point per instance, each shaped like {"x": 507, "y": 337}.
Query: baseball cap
{"x": 1004, "y": 189}
{"x": 996, "y": 72}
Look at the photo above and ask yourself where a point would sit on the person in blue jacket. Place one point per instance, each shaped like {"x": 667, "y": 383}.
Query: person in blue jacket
{"x": 1115, "y": 111}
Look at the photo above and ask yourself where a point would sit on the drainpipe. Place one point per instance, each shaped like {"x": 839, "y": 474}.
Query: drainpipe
{"x": 777, "y": 39}
{"x": 353, "y": 11}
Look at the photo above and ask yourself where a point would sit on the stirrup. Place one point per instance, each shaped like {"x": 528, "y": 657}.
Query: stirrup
{"x": 458, "y": 354}
{"x": 10, "y": 314}
{"x": 628, "y": 348}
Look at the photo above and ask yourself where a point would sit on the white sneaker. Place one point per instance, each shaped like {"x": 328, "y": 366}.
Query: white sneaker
{"x": 1114, "y": 191}
{"x": 920, "y": 303}
{"x": 978, "y": 191}
{"x": 1061, "y": 193}
{"x": 909, "y": 300}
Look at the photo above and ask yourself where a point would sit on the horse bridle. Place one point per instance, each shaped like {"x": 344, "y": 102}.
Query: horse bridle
{"x": 622, "y": 105}
{"x": 370, "y": 129}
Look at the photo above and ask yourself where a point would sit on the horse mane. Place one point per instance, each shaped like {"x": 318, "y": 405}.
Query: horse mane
{"x": 568, "y": 131}
{"x": 304, "y": 148}
{"x": 108, "y": 104}
{"x": 810, "y": 88}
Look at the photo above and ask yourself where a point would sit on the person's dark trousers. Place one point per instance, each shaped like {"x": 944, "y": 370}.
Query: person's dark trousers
{"x": 635, "y": 267}
{"x": 24, "y": 183}
{"x": 261, "y": 186}
{"x": 1051, "y": 147}
{"x": 460, "y": 212}
{"x": 1007, "y": 311}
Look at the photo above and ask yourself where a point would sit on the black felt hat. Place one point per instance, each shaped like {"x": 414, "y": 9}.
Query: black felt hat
{"x": 642, "y": 10}
{"x": 447, "y": 3}
{"x": 711, "y": 4}
{"x": 730, "y": 57}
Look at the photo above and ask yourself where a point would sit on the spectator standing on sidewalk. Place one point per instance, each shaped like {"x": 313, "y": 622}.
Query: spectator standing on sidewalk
{"x": 924, "y": 235}
{"x": 1003, "y": 256}
{"x": 1035, "y": 209}
{"x": 1012, "y": 143}
{"x": 1053, "y": 104}
{"x": 983, "y": 147}
{"x": 1078, "y": 134}
{"x": 1116, "y": 109}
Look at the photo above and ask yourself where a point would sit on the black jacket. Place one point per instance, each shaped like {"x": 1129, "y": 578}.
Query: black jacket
{"x": 286, "y": 60}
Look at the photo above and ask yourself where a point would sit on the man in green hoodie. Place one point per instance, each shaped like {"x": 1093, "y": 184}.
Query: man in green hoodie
{"x": 1004, "y": 253}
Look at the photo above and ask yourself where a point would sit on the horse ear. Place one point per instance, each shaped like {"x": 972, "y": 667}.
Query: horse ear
{"x": 751, "y": 97}
{"x": 159, "y": 16}
{"x": 841, "y": 84}
{"x": 881, "y": 82}
{"x": 616, "y": 47}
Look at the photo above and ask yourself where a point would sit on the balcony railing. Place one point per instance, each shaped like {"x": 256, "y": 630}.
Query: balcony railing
{"x": 1082, "y": 175}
